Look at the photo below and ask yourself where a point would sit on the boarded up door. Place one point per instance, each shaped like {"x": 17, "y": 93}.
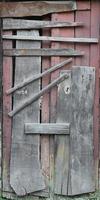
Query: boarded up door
{"x": 50, "y": 95}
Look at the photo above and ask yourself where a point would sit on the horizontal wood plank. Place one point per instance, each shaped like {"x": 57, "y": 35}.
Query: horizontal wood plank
{"x": 47, "y": 38}
{"x": 35, "y": 8}
{"x": 19, "y": 24}
{"x": 42, "y": 52}
{"x": 38, "y": 76}
{"x": 46, "y": 128}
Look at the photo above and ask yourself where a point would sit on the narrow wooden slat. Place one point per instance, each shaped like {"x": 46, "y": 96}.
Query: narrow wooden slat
{"x": 52, "y": 104}
{"x": 25, "y": 170}
{"x": 16, "y": 24}
{"x": 36, "y": 77}
{"x": 36, "y": 8}
{"x": 59, "y": 159}
{"x": 1, "y": 67}
{"x": 7, "y": 124}
{"x": 62, "y": 142}
{"x": 47, "y": 38}
{"x": 44, "y": 106}
{"x": 35, "y": 97}
{"x": 42, "y": 52}
{"x": 46, "y": 128}
{"x": 94, "y": 61}
{"x": 81, "y": 132}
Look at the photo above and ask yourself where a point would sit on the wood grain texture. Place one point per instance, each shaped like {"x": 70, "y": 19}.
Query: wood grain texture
{"x": 7, "y": 122}
{"x": 38, "y": 76}
{"x": 19, "y": 24}
{"x": 25, "y": 170}
{"x": 33, "y": 98}
{"x": 1, "y": 54}
{"x": 44, "y": 106}
{"x": 64, "y": 33}
{"x": 47, "y": 38}
{"x": 46, "y": 128}
{"x": 83, "y": 5}
{"x": 81, "y": 133}
{"x": 61, "y": 141}
{"x": 85, "y": 16}
{"x": 53, "y": 101}
{"x": 95, "y": 62}
{"x": 36, "y": 8}
{"x": 10, "y": 195}
{"x": 42, "y": 52}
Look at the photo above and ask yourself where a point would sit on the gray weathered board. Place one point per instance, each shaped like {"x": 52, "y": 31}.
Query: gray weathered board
{"x": 44, "y": 128}
{"x": 48, "y": 38}
{"x": 62, "y": 141}
{"x": 17, "y": 24}
{"x": 74, "y": 165}
{"x": 81, "y": 170}
{"x": 25, "y": 169}
{"x": 35, "y": 8}
{"x": 42, "y": 52}
{"x": 1, "y": 53}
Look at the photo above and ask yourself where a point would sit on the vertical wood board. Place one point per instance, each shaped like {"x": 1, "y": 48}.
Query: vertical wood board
{"x": 1, "y": 67}
{"x": 53, "y": 103}
{"x": 61, "y": 187}
{"x": 25, "y": 171}
{"x": 62, "y": 142}
{"x": 95, "y": 62}
{"x": 7, "y": 105}
{"x": 81, "y": 133}
{"x": 44, "y": 104}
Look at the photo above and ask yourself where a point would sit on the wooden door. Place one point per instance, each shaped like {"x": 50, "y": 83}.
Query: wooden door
{"x": 50, "y": 98}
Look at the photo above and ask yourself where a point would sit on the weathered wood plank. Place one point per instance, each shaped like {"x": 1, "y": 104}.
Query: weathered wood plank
{"x": 25, "y": 171}
{"x": 47, "y": 38}
{"x": 81, "y": 132}
{"x": 36, "y": 8}
{"x": 70, "y": 33}
{"x": 62, "y": 142}
{"x": 38, "y": 76}
{"x": 35, "y": 97}
{"x": 19, "y": 24}
{"x": 44, "y": 106}
{"x": 46, "y": 128}
{"x": 53, "y": 94}
{"x": 1, "y": 66}
{"x": 42, "y": 52}
{"x": 7, "y": 123}
{"x": 94, "y": 61}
